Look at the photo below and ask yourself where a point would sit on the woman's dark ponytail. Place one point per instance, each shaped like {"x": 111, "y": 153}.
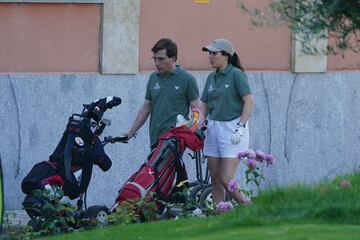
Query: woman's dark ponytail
{"x": 235, "y": 61}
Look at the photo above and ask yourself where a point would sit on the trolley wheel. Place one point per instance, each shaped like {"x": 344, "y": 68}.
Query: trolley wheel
{"x": 98, "y": 213}
{"x": 196, "y": 192}
{"x": 206, "y": 199}
{"x": 193, "y": 185}
{"x": 35, "y": 224}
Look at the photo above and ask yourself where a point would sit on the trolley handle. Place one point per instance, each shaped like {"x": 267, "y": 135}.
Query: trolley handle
{"x": 112, "y": 140}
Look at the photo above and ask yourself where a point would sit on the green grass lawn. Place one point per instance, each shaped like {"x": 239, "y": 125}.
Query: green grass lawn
{"x": 215, "y": 230}
{"x": 326, "y": 211}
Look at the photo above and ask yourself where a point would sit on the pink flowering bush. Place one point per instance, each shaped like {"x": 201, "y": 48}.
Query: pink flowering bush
{"x": 345, "y": 183}
{"x": 222, "y": 207}
{"x": 255, "y": 162}
{"x": 234, "y": 186}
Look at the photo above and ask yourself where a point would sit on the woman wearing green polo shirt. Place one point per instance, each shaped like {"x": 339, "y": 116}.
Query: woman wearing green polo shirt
{"x": 227, "y": 102}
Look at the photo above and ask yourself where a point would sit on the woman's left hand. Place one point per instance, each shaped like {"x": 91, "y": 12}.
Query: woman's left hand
{"x": 238, "y": 134}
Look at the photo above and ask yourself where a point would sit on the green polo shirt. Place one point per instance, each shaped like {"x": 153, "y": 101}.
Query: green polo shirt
{"x": 223, "y": 93}
{"x": 170, "y": 95}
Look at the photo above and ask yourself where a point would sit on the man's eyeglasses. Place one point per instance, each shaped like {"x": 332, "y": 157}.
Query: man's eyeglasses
{"x": 158, "y": 59}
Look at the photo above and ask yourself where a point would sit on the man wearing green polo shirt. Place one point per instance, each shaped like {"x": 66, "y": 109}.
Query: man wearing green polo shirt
{"x": 170, "y": 91}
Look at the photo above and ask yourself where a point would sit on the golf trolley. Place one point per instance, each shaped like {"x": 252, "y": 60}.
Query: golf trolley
{"x": 200, "y": 190}
{"x": 162, "y": 172}
{"x": 70, "y": 165}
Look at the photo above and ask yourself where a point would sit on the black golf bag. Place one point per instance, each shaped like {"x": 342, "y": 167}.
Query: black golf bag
{"x": 78, "y": 150}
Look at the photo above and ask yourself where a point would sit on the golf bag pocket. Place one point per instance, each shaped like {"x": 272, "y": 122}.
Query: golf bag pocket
{"x": 144, "y": 182}
{"x": 39, "y": 172}
{"x": 138, "y": 185}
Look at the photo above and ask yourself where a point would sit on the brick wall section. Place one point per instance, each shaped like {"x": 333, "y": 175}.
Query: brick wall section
{"x": 38, "y": 37}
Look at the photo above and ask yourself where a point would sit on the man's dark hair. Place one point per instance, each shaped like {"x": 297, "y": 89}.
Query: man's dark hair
{"x": 168, "y": 44}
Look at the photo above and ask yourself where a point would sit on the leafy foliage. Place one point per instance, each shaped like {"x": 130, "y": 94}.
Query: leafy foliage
{"x": 57, "y": 216}
{"x": 136, "y": 211}
{"x": 314, "y": 20}
{"x": 16, "y": 231}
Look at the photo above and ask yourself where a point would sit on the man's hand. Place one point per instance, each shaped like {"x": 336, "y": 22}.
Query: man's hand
{"x": 238, "y": 133}
{"x": 129, "y": 134}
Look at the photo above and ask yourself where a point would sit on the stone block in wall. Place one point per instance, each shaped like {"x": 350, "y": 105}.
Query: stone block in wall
{"x": 303, "y": 63}
{"x": 120, "y": 38}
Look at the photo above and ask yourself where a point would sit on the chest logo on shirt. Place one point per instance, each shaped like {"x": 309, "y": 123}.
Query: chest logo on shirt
{"x": 227, "y": 85}
{"x": 157, "y": 86}
{"x": 177, "y": 87}
{"x": 210, "y": 88}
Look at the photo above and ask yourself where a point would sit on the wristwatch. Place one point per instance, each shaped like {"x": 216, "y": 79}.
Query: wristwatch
{"x": 241, "y": 124}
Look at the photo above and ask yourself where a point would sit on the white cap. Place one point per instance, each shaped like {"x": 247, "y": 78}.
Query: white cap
{"x": 219, "y": 45}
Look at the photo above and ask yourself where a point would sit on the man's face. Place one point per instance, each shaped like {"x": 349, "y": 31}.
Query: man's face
{"x": 163, "y": 63}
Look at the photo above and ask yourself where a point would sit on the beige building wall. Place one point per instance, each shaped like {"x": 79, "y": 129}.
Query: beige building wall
{"x": 347, "y": 61}
{"x": 66, "y": 36}
{"x": 39, "y": 37}
{"x": 192, "y": 25}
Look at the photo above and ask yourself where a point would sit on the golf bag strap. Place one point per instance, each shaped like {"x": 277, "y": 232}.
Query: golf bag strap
{"x": 68, "y": 157}
{"x": 178, "y": 166}
{"x": 160, "y": 194}
{"x": 86, "y": 175}
{"x": 179, "y": 163}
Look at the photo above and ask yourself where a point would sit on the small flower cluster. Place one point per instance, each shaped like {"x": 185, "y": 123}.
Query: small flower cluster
{"x": 222, "y": 207}
{"x": 234, "y": 186}
{"x": 345, "y": 183}
{"x": 255, "y": 160}
{"x": 256, "y": 157}
{"x": 55, "y": 181}
{"x": 53, "y": 187}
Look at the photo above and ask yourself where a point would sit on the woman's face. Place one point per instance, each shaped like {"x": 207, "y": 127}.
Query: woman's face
{"x": 217, "y": 60}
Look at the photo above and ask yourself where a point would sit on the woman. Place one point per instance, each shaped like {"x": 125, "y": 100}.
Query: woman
{"x": 227, "y": 102}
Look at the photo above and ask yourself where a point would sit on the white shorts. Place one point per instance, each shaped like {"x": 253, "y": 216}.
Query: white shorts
{"x": 218, "y": 139}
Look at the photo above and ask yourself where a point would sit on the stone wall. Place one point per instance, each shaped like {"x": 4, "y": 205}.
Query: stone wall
{"x": 309, "y": 122}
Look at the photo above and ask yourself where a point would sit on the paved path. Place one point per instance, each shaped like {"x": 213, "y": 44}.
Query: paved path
{"x": 16, "y": 217}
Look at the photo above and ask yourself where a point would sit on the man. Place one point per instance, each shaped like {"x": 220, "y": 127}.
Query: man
{"x": 170, "y": 91}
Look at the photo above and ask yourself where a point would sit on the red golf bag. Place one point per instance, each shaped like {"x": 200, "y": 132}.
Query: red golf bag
{"x": 165, "y": 168}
